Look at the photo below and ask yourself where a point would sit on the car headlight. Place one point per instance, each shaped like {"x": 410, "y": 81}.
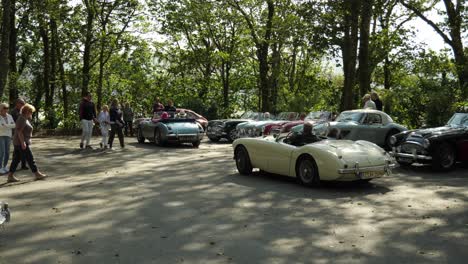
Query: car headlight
{"x": 393, "y": 140}
{"x": 426, "y": 143}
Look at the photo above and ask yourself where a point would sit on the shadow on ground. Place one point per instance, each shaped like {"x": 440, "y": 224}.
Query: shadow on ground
{"x": 145, "y": 204}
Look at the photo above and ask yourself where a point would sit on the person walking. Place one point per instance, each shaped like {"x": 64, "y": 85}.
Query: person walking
{"x": 368, "y": 103}
{"x": 15, "y": 113}
{"x": 6, "y": 125}
{"x": 87, "y": 117}
{"x": 378, "y": 103}
{"x": 104, "y": 123}
{"x": 22, "y": 144}
{"x": 116, "y": 123}
{"x": 128, "y": 119}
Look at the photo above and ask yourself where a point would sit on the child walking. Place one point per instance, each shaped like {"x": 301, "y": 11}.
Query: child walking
{"x": 104, "y": 123}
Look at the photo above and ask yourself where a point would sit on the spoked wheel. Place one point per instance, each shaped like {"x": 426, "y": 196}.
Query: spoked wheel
{"x": 444, "y": 157}
{"x": 140, "y": 137}
{"x": 307, "y": 172}
{"x": 243, "y": 161}
{"x": 232, "y": 135}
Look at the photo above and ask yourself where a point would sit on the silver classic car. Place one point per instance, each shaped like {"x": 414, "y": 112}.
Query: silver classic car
{"x": 362, "y": 124}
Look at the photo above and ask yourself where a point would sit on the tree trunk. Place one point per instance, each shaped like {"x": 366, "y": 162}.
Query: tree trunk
{"x": 5, "y": 44}
{"x": 87, "y": 46}
{"x": 262, "y": 55}
{"x": 13, "y": 75}
{"x": 101, "y": 73}
{"x": 50, "y": 113}
{"x": 349, "y": 52}
{"x": 364, "y": 52}
{"x": 43, "y": 31}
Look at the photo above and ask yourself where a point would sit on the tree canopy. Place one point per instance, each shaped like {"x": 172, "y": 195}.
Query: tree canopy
{"x": 224, "y": 57}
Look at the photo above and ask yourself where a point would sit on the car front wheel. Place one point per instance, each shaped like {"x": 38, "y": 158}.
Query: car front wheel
{"x": 157, "y": 137}
{"x": 307, "y": 172}
{"x": 243, "y": 161}
{"x": 232, "y": 135}
{"x": 140, "y": 137}
{"x": 443, "y": 157}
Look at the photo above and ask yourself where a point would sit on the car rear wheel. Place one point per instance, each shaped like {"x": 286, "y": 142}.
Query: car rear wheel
{"x": 140, "y": 137}
{"x": 403, "y": 163}
{"x": 443, "y": 157}
{"x": 243, "y": 161}
{"x": 232, "y": 135}
{"x": 307, "y": 172}
{"x": 196, "y": 144}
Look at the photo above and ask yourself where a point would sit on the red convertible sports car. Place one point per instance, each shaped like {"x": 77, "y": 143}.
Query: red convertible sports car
{"x": 285, "y": 127}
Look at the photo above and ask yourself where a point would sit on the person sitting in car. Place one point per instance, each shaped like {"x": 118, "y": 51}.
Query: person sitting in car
{"x": 304, "y": 138}
{"x": 159, "y": 116}
{"x": 181, "y": 114}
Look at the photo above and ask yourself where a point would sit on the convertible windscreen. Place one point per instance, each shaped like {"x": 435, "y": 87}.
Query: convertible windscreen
{"x": 459, "y": 119}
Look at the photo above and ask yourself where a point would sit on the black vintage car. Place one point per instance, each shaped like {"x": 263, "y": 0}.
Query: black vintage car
{"x": 442, "y": 146}
{"x": 226, "y": 128}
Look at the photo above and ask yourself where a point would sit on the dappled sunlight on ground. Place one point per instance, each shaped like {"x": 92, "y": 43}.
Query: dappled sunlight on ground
{"x": 146, "y": 204}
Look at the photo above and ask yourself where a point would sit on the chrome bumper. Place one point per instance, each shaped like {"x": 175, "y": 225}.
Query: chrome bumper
{"x": 357, "y": 170}
{"x": 413, "y": 156}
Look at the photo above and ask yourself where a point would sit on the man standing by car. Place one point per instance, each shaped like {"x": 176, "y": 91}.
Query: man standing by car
{"x": 128, "y": 119}
{"x": 15, "y": 113}
{"x": 87, "y": 118}
{"x": 170, "y": 106}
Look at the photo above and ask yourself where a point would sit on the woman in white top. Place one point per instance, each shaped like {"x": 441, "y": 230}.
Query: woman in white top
{"x": 6, "y": 126}
{"x": 104, "y": 123}
{"x": 368, "y": 103}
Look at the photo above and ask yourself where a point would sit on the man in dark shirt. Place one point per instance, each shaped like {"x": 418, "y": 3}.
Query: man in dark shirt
{"x": 304, "y": 138}
{"x": 15, "y": 113}
{"x": 170, "y": 106}
{"x": 117, "y": 123}
{"x": 87, "y": 118}
{"x": 377, "y": 101}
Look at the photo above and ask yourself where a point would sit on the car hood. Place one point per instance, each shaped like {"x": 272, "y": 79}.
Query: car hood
{"x": 438, "y": 131}
{"x": 254, "y": 124}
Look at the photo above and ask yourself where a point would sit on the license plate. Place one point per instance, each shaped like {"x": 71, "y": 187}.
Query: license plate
{"x": 371, "y": 174}
{"x": 187, "y": 138}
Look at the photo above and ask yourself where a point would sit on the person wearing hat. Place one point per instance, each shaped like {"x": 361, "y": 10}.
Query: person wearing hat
{"x": 368, "y": 103}
{"x": 182, "y": 114}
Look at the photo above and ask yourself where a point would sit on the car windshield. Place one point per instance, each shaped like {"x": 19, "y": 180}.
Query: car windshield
{"x": 459, "y": 119}
{"x": 350, "y": 116}
{"x": 288, "y": 116}
{"x": 172, "y": 115}
{"x": 255, "y": 116}
{"x": 317, "y": 115}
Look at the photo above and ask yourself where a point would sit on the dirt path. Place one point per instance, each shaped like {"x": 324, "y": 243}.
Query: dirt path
{"x": 146, "y": 204}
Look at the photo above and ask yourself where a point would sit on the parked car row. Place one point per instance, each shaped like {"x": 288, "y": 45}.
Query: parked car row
{"x": 261, "y": 141}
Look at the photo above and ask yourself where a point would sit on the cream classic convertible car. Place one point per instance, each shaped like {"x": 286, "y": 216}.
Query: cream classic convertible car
{"x": 323, "y": 160}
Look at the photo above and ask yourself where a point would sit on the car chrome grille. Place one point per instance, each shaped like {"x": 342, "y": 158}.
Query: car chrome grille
{"x": 411, "y": 148}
